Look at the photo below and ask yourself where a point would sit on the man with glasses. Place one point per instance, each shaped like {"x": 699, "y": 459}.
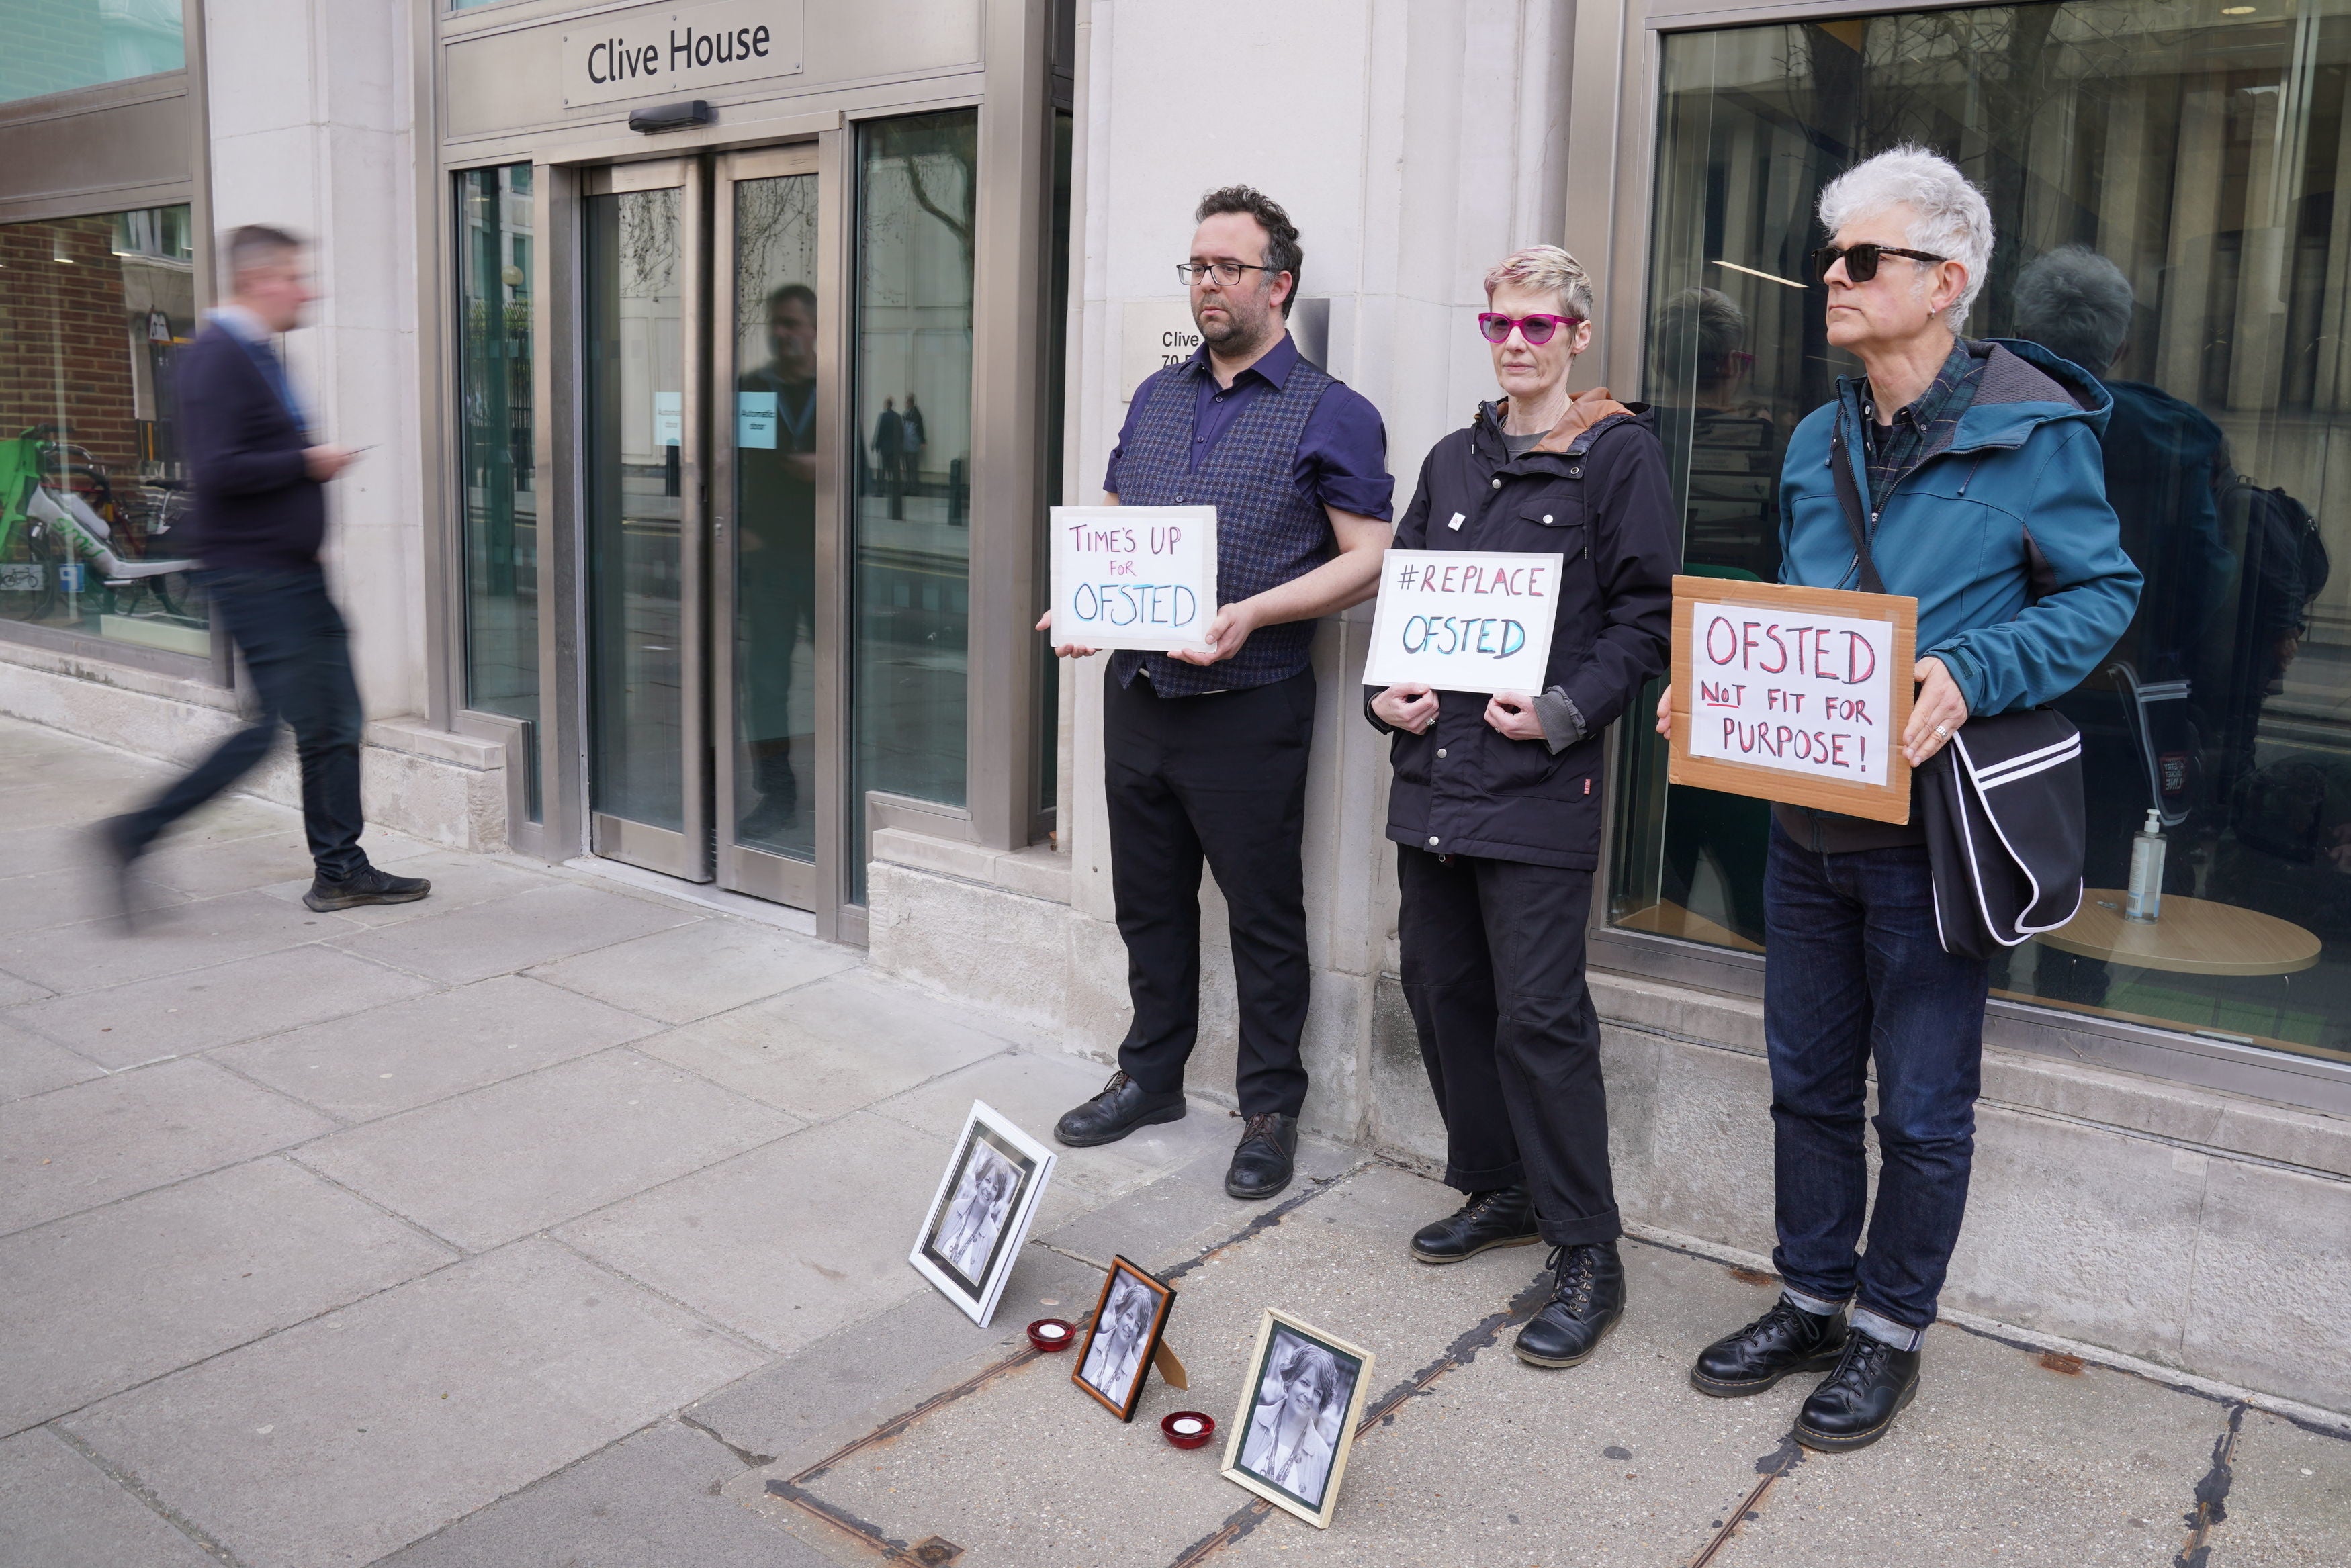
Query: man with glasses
{"x": 1206, "y": 751}
{"x": 1973, "y": 469}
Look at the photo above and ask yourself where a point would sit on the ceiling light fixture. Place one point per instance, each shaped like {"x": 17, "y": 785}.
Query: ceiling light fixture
{"x": 1766, "y": 276}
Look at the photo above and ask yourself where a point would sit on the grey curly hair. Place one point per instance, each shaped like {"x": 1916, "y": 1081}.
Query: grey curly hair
{"x": 1949, "y": 216}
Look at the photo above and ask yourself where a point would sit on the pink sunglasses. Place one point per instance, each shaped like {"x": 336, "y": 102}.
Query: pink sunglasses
{"x": 1536, "y": 330}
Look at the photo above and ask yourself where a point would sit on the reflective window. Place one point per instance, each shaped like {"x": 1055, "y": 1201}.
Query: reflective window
{"x": 93, "y": 311}
{"x": 495, "y": 437}
{"x": 55, "y": 45}
{"x": 911, "y": 586}
{"x": 2164, "y": 181}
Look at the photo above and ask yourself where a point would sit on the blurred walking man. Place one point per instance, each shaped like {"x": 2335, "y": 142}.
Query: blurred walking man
{"x": 1206, "y": 750}
{"x": 260, "y": 516}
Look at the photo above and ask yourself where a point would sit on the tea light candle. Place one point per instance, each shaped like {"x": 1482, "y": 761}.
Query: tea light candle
{"x": 1052, "y": 1330}
{"x": 1186, "y": 1425}
{"x": 1052, "y": 1334}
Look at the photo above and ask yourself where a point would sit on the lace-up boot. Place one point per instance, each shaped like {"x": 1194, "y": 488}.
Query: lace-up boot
{"x": 1855, "y": 1403}
{"x": 1784, "y": 1340}
{"x": 1502, "y": 1217}
{"x": 1587, "y": 1297}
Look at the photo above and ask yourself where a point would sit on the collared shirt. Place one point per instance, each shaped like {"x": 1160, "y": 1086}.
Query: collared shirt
{"x": 1342, "y": 455}
{"x": 260, "y": 343}
{"x": 1920, "y": 428}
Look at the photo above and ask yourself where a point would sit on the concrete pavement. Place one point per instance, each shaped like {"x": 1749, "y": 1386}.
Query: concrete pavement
{"x": 556, "y": 1221}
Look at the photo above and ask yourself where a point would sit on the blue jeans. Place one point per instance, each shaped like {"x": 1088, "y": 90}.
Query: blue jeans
{"x": 1856, "y": 973}
{"x": 297, "y": 653}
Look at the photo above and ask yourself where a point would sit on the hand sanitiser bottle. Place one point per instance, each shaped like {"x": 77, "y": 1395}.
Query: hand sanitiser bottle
{"x": 2144, "y": 901}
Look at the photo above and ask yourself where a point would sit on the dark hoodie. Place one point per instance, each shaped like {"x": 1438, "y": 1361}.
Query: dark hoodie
{"x": 1595, "y": 491}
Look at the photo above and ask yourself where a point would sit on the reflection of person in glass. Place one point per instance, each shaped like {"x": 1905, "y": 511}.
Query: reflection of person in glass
{"x": 777, "y": 566}
{"x": 1295, "y": 1428}
{"x": 912, "y": 439}
{"x": 889, "y": 447}
{"x": 2140, "y": 716}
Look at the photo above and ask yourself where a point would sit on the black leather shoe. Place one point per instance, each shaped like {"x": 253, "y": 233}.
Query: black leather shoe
{"x": 1502, "y": 1217}
{"x": 1262, "y": 1164}
{"x": 1784, "y": 1340}
{"x": 1857, "y": 1402}
{"x": 117, "y": 854}
{"x": 1587, "y": 1297}
{"x": 365, "y": 886}
{"x": 1123, "y": 1106}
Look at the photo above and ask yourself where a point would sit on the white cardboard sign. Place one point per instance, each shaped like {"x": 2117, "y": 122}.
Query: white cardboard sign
{"x": 1464, "y": 621}
{"x": 1134, "y": 577}
{"x": 1803, "y": 691}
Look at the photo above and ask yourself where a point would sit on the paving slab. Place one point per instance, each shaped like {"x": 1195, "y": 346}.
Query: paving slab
{"x": 30, "y": 1064}
{"x": 500, "y": 1162}
{"x": 651, "y": 1501}
{"x": 66, "y": 805}
{"x": 105, "y": 1300}
{"x": 689, "y": 972}
{"x": 1173, "y": 1220}
{"x": 332, "y": 1442}
{"x": 181, "y": 1014}
{"x": 476, "y": 941}
{"x": 207, "y": 870}
{"x": 184, "y": 937}
{"x": 72, "y": 895}
{"x": 831, "y": 1047}
{"x": 15, "y": 988}
{"x": 2289, "y": 1502}
{"x": 459, "y": 880}
{"x": 76, "y": 1148}
{"x": 788, "y": 1243}
{"x": 429, "y": 1047}
{"x": 59, "y": 1510}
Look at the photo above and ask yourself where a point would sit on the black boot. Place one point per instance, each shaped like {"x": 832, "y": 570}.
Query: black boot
{"x": 365, "y": 886}
{"x": 1123, "y": 1106}
{"x": 1263, "y": 1161}
{"x": 1857, "y": 1402}
{"x": 1587, "y": 1297}
{"x": 1784, "y": 1340}
{"x": 119, "y": 848}
{"x": 1502, "y": 1217}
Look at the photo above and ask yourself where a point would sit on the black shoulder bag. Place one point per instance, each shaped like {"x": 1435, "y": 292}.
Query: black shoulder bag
{"x": 2001, "y": 802}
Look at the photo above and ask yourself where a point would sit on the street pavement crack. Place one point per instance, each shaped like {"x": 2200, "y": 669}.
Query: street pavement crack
{"x": 2211, "y": 1496}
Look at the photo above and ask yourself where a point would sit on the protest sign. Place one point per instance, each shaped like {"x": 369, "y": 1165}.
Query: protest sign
{"x": 1134, "y": 577}
{"x": 1464, "y": 621}
{"x": 1793, "y": 694}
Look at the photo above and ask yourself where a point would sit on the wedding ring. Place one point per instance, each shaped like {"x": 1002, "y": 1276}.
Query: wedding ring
{"x": 1942, "y": 732}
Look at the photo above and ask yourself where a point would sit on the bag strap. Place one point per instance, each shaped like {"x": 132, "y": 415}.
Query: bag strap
{"x": 1849, "y": 496}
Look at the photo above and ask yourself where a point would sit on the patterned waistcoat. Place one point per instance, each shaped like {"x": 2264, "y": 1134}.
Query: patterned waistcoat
{"x": 1267, "y": 533}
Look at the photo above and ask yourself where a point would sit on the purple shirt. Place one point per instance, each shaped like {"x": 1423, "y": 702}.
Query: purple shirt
{"x": 1343, "y": 454}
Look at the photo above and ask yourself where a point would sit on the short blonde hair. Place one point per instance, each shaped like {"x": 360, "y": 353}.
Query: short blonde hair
{"x": 1545, "y": 267}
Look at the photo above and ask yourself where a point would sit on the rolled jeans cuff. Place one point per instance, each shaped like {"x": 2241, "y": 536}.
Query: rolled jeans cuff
{"x": 1813, "y": 1304}
{"x": 1885, "y": 1331}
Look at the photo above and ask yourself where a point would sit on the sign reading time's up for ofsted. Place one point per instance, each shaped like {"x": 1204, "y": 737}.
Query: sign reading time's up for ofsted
{"x": 1793, "y": 694}
{"x": 655, "y": 50}
{"x": 1134, "y": 577}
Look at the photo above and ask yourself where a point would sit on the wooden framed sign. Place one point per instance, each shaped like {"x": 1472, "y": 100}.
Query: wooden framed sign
{"x": 1134, "y": 577}
{"x": 1793, "y": 694}
{"x": 1464, "y": 621}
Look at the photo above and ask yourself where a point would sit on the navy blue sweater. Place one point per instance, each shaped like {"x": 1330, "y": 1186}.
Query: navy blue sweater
{"x": 258, "y": 508}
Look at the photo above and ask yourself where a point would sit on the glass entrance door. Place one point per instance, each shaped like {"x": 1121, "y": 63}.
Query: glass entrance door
{"x": 709, "y": 424}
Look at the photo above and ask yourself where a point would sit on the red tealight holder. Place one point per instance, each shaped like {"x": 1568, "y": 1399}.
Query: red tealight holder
{"x": 1052, "y": 1334}
{"x": 1189, "y": 1429}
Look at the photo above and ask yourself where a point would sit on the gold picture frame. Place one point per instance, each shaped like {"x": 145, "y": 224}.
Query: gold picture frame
{"x": 1285, "y": 1444}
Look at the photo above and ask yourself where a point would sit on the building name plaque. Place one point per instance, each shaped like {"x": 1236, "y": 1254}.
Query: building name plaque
{"x": 665, "y": 50}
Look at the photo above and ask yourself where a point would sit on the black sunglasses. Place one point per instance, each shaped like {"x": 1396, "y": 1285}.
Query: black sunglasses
{"x": 1861, "y": 260}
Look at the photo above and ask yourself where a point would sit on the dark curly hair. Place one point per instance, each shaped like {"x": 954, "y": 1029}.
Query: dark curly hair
{"x": 1281, "y": 250}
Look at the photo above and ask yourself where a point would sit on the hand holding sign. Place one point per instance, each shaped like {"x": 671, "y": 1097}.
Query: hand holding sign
{"x": 1137, "y": 576}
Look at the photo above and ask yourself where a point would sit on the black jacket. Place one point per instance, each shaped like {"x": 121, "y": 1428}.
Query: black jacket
{"x": 1599, "y": 497}
{"x": 258, "y": 508}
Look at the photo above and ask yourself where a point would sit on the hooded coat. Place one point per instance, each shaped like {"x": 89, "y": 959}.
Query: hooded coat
{"x": 1596, "y": 491}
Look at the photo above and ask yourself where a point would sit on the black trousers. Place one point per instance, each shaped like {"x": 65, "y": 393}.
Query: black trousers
{"x": 1493, "y": 971}
{"x": 1221, "y": 778}
{"x": 297, "y": 652}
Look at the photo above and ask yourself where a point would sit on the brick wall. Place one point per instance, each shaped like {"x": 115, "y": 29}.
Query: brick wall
{"x": 65, "y": 342}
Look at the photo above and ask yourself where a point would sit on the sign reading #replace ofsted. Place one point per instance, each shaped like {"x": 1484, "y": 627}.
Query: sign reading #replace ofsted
{"x": 1134, "y": 577}
{"x": 1464, "y": 621}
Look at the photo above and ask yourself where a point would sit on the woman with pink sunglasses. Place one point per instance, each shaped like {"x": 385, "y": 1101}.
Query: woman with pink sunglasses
{"x": 1496, "y": 804}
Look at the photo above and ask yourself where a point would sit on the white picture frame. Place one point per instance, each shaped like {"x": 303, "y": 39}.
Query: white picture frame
{"x": 977, "y": 1220}
{"x": 1134, "y": 577}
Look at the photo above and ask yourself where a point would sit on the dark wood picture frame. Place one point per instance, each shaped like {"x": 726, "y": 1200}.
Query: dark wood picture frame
{"x": 1164, "y": 1302}
{"x": 1888, "y": 802}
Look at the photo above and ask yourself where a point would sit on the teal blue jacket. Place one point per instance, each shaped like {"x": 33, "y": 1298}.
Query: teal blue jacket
{"x": 2002, "y": 534}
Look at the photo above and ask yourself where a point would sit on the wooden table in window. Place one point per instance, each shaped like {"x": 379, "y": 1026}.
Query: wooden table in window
{"x": 2194, "y": 935}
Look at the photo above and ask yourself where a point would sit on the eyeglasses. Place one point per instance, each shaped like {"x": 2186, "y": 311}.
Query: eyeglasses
{"x": 1227, "y": 272}
{"x": 1861, "y": 260}
{"x": 1535, "y": 329}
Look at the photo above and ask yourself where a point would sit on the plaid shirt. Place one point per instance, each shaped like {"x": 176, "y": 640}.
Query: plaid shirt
{"x": 1919, "y": 429}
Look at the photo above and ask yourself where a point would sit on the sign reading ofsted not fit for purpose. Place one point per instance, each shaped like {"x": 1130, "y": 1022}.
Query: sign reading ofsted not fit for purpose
{"x": 1793, "y": 694}
{"x": 1464, "y": 621}
{"x": 1134, "y": 577}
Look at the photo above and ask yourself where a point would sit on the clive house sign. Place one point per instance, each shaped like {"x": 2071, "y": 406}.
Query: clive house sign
{"x": 660, "y": 50}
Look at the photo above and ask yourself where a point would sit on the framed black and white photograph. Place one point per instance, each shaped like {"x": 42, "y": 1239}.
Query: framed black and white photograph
{"x": 1116, "y": 1357}
{"x": 1303, "y": 1396}
{"x": 973, "y": 1230}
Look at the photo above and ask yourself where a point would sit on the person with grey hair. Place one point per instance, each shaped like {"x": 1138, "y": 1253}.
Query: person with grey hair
{"x": 1967, "y": 475}
{"x": 1495, "y": 811}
